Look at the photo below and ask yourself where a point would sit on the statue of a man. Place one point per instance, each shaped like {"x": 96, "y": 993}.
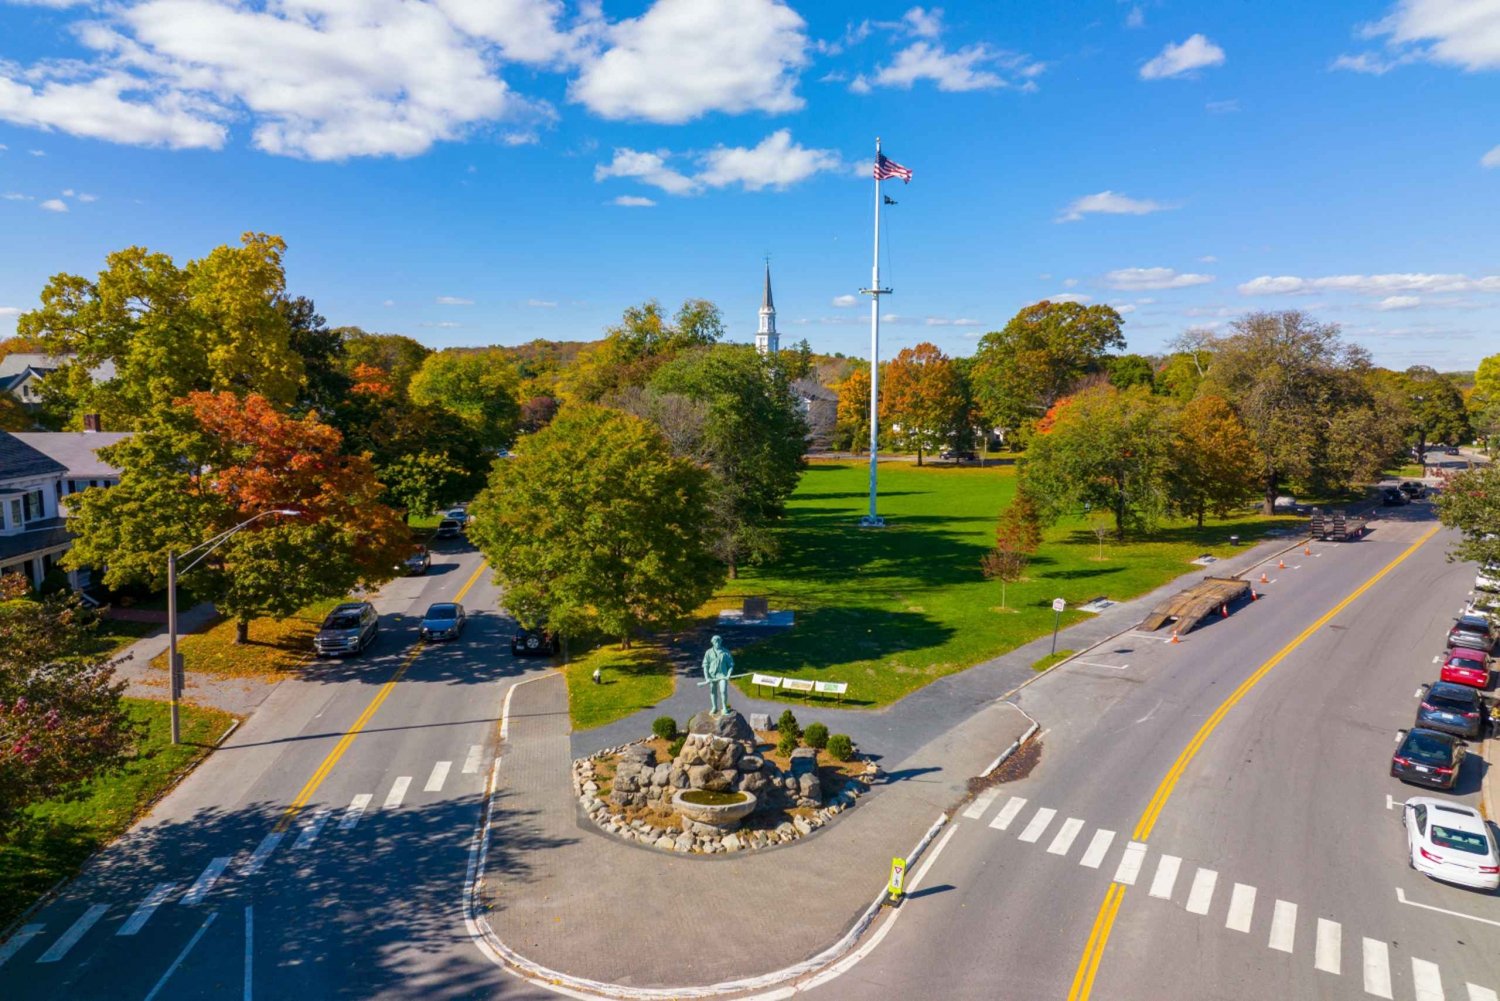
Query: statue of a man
{"x": 718, "y": 665}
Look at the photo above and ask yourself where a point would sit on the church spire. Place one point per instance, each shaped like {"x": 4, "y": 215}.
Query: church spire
{"x": 767, "y": 341}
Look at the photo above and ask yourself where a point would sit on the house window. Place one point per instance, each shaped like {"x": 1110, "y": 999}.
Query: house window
{"x": 35, "y": 508}
{"x": 15, "y": 514}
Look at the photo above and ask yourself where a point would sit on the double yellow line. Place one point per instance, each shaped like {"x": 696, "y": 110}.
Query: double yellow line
{"x": 347, "y": 739}
{"x": 1093, "y": 952}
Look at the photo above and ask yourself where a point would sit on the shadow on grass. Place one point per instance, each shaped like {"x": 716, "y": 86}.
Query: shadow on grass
{"x": 832, "y": 636}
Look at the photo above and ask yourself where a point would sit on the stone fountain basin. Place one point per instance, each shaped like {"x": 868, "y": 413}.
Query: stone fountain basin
{"x": 726, "y": 815}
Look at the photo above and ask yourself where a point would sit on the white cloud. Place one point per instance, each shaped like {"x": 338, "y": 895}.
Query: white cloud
{"x": 453, "y": 300}
{"x": 943, "y": 321}
{"x": 777, "y": 161}
{"x": 1367, "y": 62}
{"x": 1109, "y": 203}
{"x": 1222, "y": 107}
{"x": 923, "y": 23}
{"x": 1070, "y": 283}
{"x": 1399, "y": 302}
{"x": 648, "y": 168}
{"x": 1208, "y": 259}
{"x": 444, "y": 325}
{"x": 1175, "y": 60}
{"x": 1123, "y": 308}
{"x": 542, "y": 303}
{"x": 389, "y": 303}
{"x": 846, "y": 300}
{"x": 973, "y": 67}
{"x": 1491, "y": 159}
{"x": 1143, "y": 279}
{"x": 1383, "y": 285}
{"x": 84, "y": 196}
{"x": 10, "y": 311}
{"x": 1069, "y": 297}
{"x": 112, "y": 106}
{"x": 1136, "y": 18}
{"x": 684, "y": 58}
{"x": 54, "y": 205}
{"x": 634, "y": 202}
{"x": 525, "y": 30}
{"x": 1462, "y": 33}
{"x": 37, "y": 152}
{"x": 16, "y": 196}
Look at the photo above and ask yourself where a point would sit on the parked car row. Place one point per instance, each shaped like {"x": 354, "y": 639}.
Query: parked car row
{"x": 353, "y": 626}
{"x": 1446, "y": 840}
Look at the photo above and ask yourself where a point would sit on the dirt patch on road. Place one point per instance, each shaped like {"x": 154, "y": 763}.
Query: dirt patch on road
{"x": 1017, "y": 766}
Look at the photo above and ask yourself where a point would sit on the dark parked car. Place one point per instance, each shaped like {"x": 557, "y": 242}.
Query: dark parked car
{"x": 348, "y": 629}
{"x": 1428, "y": 758}
{"x": 1413, "y": 489}
{"x": 533, "y": 643}
{"x": 1392, "y": 497}
{"x": 1474, "y": 632}
{"x": 449, "y": 528}
{"x": 1451, "y": 708}
{"x": 444, "y": 620}
{"x": 1452, "y": 450}
{"x": 417, "y": 563}
{"x": 959, "y": 455}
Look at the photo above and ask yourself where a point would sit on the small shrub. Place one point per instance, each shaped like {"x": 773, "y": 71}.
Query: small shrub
{"x": 665, "y": 727}
{"x": 841, "y": 747}
{"x": 788, "y": 723}
{"x": 786, "y": 743}
{"x": 676, "y": 747}
{"x": 816, "y": 735}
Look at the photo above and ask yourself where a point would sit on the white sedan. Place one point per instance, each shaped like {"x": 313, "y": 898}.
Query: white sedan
{"x": 1451, "y": 842}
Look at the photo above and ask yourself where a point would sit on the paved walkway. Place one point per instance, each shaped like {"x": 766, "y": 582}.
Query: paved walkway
{"x": 240, "y": 696}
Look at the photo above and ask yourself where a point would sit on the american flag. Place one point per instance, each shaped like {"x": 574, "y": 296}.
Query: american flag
{"x": 886, "y": 168}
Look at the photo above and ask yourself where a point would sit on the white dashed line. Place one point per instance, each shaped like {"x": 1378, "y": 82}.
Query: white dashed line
{"x": 142, "y": 914}
{"x": 205, "y": 882}
{"x": 398, "y": 792}
{"x": 1097, "y": 849}
{"x": 15, "y": 942}
{"x": 1283, "y": 926}
{"x": 1201, "y": 895}
{"x": 1130, "y": 863}
{"x": 262, "y": 852}
{"x": 1038, "y": 824}
{"x": 70, "y": 937}
{"x": 1426, "y": 980}
{"x": 1166, "y": 876}
{"x": 1241, "y": 908}
{"x": 1330, "y": 945}
{"x": 1008, "y": 813}
{"x": 311, "y": 828}
{"x": 982, "y": 803}
{"x": 1377, "y": 968}
{"x": 438, "y": 777}
{"x": 1476, "y": 993}
{"x": 1065, "y": 837}
{"x": 472, "y": 762}
{"x": 356, "y": 810}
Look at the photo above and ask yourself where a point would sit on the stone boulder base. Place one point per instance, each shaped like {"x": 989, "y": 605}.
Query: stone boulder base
{"x": 731, "y": 726}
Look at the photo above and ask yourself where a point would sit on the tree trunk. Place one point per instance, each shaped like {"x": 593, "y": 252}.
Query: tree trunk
{"x": 1200, "y": 514}
{"x": 1120, "y": 515}
{"x": 733, "y": 570}
{"x": 242, "y": 631}
{"x": 1002, "y": 594}
{"x": 1273, "y": 483}
{"x": 919, "y": 455}
{"x": 625, "y": 642}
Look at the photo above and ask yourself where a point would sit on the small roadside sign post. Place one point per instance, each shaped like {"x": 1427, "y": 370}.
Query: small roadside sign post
{"x": 898, "y": 881}
{"x": 1057, "y": 609}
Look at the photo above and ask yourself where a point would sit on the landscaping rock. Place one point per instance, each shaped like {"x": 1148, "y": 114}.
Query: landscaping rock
{"x": 760, "y": 721}
{"x": 665, "y": 843}
{"x": 811, "y": 789}
{"x": 801, "y": 824}
{"x": 731, "y": 726}
{"x": 661, "y": 774}
{"x": 804, "y": 760}
{"x": 750, "y": 763}
{"x": 731, "y": 843}
{"x": 698, "y": 776}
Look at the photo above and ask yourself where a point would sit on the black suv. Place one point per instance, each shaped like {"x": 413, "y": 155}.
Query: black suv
{"x": 348, "y": 629}
{"x": 533, "y": 643}
{"x": 1393, "y": 497}
{"x": 1451, "y": 708}
{"x": 1428, "y": 758}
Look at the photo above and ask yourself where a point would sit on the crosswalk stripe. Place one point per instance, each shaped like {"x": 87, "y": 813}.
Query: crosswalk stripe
{"x": 1166, "y": 877}
{"x": 1097, "y": 849}
{"x": 1283, "y": 926}
{"x": 205, "y": 882}
{"x": 14, "y": 944}
{"x": 1038, "y": 824}
{"x": 356, "y": 810}
{"x": 1008, "y": 813}
{"x": 398, "y": 792}
{"x": 981, "y": 803}
{"x": 476, "y": 753}
{"x": 1476, "y": 993}
{"x": 1329, "y": 947}
{"x": 311, "y": 828}
{"x": 438, "y": 777}
{"x": 1377, "y": 968}
{"x": 262, "y": 852}
{"x": 1130, "y": 863}
{"x": 70, "y": 938}
{"x": 1426, "y": 980}
{"x": 1065, "y": 837}
{"x": 142, "y": 914}
{"x": 1241, "y": 908}
{"x": 1201, "y": 894}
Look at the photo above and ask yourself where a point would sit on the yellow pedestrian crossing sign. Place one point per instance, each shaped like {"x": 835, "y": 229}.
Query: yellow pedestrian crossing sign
{"x": 898, "y": 878}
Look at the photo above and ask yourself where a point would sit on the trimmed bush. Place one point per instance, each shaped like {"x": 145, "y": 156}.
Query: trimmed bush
{"x": 841, "y": 747}
{"x": 676, "y": 747}
{"x": 788, "y": 723}
{"x": 665, "y": 727}
{"x": 816, "y": 735}
{"x": 787, "y": 743}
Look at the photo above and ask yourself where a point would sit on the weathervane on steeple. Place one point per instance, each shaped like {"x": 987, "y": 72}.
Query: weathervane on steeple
{"x": 767, "y": 341}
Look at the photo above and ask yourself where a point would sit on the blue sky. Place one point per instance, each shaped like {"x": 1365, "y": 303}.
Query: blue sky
{"x": 489, "y": 171}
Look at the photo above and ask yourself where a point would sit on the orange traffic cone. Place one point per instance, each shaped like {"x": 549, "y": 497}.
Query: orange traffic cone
{"x": 1281, "y": 564}
{"x": 1253, "y": 595}
{"x": 1263, "y": 578}
{"x": 1224, "y": 611}
{"x": 1174, "y": 637}
{"x": 1307, "y": 550}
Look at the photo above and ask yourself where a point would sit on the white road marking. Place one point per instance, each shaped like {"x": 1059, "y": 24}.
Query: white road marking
{"x": 356, "y": 810}
{"x": 1008, "y": 813}
{"x": 1130, "y": 863}
{"x": 1112, "y": 667}
{"x": 15, "y": 942}
{"x": 471, "y": 763}
{"x": 1283, "y": 926}
{"x": 1417, "y": 694}
{"x": 1097, "y": 849}
{"x": 1330, "y": 945}
{"x": 937, "y": 849}
{"x": 1401, "y": 896}
{"x": 1065, "y": 837}
{"x": 1166, "y": 877}
{"x": 204, "y": 882}
{"x": 1201, "y": 894}
{"x": 262, "y": 852}
{"x": 1477, "y": 993}
{"x": 1241, "y": 908}
{"x": 1038, "y": 824}
{"x": 398, "y": 792}
{"x": 70, "y": 938}
{"x": 181, "y": 956}
{"x": 438, "y": 777}
{"x": 982, "y": 803}
{"x": 1426, "y": 980}
{"x": 311, "y": 828}
{"x": 1436, "y": 658}
{"x": 142, "y": 913}
{"x": 1377, "y": 968}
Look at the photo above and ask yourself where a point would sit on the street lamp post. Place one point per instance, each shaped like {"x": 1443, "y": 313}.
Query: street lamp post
{"x": 174, "y": 659}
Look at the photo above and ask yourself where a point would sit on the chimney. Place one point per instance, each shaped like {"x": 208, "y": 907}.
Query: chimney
{"x": 91, "y": 422}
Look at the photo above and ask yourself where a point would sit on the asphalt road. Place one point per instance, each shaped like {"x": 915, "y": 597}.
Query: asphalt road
{"x": 359, "y": 895}
{"x": 1272, "y": 868}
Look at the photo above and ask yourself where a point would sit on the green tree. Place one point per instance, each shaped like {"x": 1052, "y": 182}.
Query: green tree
{"x": 1483, "y": 403}
{"x": 1436, "y": 408}
{"x": 421, "y": 482}
{"x": 477, "y": 387}
{"x": 1020, "y": 371}
{"x": 395, "y": 354}
{"x": 1018, "y": 535}
{"x": 642, "y": 342}
{"x": 1470, "y": 502}
{"x": 1107, "y": 449}
{"x": 1216, "y": 464}
{"x": 1178, "y": 378}
{"x": 852, "y": 424}
{"x": 325, "y": 382}
{"x": 1130, "y": 370}
{"x": 594, "y": 526}
{"x": 921, "y": 391}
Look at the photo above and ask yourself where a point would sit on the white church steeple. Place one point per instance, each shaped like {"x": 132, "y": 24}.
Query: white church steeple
{"x": 767, "y": 341}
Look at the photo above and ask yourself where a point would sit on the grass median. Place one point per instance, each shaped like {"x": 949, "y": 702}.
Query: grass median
{"x": 57, "y": 836}
{"x": 274, "y": 649}
{"x": 630, "y": 680}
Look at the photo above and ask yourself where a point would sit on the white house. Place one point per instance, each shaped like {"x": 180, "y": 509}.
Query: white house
{"x": 38, "y": 471}
{"x": 21, "y": 374}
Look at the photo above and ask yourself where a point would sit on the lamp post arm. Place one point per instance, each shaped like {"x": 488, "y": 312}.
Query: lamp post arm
{"x": 223, "y": 537}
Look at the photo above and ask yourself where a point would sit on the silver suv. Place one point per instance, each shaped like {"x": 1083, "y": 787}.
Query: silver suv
{"x": 348, "y": 629}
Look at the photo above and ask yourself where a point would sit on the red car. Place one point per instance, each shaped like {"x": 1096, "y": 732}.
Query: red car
{"x": 1467, "y": 667}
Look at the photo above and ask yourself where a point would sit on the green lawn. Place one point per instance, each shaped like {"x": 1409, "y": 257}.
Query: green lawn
{"x": 890, "y": 610}
{"x": 630, "y": 680}
{"x": 57, "y": 836}
{"x": 275, "y": 647}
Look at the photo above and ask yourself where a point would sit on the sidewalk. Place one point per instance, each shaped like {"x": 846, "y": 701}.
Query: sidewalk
{"x": 240, "y": 696}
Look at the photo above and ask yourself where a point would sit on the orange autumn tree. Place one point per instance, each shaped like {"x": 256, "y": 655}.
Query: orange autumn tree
{"x": 922, "y": 393}
{"x": 210, "y": 463}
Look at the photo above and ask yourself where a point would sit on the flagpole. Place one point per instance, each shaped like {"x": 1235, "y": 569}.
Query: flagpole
{"x": 873, "y": 520}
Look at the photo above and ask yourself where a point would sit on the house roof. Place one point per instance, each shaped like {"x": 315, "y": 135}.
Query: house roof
{"x": 20, "y": 459}
{"x": 38, "y": 537}
{"x": 75, "y": 452}
{"x": 14, "y": 365}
